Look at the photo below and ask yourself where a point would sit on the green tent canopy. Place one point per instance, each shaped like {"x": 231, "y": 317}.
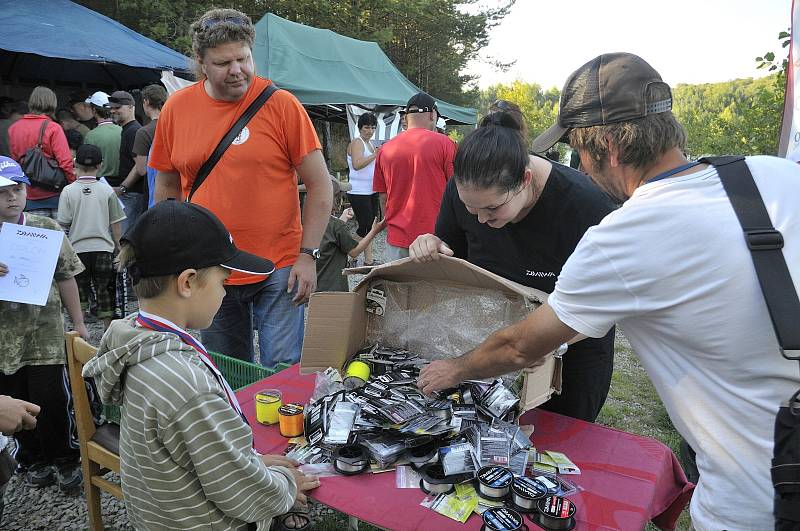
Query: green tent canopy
{"x": 324, "y": 70}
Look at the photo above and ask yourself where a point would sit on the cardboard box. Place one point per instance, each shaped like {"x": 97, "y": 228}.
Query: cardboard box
{"x": 337, "y": 322}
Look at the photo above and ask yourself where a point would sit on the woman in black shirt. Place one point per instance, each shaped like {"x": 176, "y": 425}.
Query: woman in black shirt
{"x": 521, "y": 216}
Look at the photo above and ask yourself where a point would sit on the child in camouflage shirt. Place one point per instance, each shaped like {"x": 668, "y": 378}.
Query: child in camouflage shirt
{"x": 32, "y": 357}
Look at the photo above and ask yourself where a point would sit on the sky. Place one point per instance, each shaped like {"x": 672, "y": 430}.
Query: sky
{"x": 687, "y": 41}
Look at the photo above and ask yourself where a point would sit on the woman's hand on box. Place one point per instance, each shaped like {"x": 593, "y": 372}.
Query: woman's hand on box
{"x": 438, "y": 375}
{"x": 428, "y": 247}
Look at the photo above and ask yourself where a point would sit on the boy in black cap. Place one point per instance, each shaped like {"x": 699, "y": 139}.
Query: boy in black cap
{"x": 90, "y": 214}
{"x": 182, "y": 425}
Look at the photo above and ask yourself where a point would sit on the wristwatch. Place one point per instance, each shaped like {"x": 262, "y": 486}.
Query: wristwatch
{"x": 313, "y": 253}
{"x": 123, "y": 189}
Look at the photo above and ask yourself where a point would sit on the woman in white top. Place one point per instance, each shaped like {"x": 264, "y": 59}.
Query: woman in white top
{"x": 361, "y": 154}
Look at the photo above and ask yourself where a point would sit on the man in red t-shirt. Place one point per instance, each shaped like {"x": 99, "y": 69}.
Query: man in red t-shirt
{"x": 410, "y": 175}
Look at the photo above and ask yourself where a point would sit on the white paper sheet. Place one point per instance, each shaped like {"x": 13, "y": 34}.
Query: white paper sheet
{"x": 31, "y": 254}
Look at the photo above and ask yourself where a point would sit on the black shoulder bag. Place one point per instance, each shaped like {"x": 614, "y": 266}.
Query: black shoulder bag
{"x": 765, "y": 244}
{"x": 43, "y": 171}
{"x": 229, "y": 137}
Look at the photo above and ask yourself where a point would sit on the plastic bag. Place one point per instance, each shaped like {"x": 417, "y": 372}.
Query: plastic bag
{"x": 441, "y": 321}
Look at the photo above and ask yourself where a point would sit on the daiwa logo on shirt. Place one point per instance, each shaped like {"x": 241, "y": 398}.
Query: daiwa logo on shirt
{"x": 541, "y": 274}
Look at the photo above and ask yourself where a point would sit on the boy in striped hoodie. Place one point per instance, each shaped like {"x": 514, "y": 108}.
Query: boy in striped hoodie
{"x": 186, "y": 449}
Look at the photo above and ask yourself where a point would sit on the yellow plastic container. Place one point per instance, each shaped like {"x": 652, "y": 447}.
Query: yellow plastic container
{"x": 268, "y": 402}
{"x": 359, "y": 369}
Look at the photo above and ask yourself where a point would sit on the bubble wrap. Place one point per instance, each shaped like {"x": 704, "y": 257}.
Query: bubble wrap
{"x": 440, "y": 321}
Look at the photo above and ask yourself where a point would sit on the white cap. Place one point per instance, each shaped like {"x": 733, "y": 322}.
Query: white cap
{"x": 99, "y": 98}
{"x": 441, "y": 124}
{"x": 6, "y": 182}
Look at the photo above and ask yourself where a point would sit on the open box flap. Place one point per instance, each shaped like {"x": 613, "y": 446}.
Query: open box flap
{"x": 446, "y": 269}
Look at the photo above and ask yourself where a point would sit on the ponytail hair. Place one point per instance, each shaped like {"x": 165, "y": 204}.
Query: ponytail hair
{"x": 495, "y": 155}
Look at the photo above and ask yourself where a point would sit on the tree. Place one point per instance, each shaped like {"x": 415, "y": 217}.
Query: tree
{"x": 430, "y": 41}
{"x": 742, "y": 116}
{"x": 768, "y": 59}
{"x": 538, "y": 106}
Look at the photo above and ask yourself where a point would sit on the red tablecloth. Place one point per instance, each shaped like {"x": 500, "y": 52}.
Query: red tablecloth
{"x": 626, "y": 479}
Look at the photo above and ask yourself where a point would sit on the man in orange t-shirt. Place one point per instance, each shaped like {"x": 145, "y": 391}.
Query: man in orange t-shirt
{"x": 253, "y": 187}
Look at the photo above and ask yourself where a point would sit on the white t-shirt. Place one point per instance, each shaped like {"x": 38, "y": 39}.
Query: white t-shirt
{"x": 361, "y": 180}
{"x": 671, "y": 268}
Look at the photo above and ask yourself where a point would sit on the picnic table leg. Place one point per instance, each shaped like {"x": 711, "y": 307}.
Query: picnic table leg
{"x": 352, "y": 523}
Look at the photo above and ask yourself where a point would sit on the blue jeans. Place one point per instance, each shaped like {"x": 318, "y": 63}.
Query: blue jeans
{"x": 135, "y": 204}
{"x": 269, "y": 307}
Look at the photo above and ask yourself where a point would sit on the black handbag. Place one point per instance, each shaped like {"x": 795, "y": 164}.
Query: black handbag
{"x": 42, "y": 171}
{"x": 229, "y": 137}
{"x": 765, "y": 244}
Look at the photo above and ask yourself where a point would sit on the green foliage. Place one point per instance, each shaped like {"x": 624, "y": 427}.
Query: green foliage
{"x": 430, "y": 41}
{"x": 538, "y": 106}
{"x": 768, "y": 59}
{"x": 735, "y": 117}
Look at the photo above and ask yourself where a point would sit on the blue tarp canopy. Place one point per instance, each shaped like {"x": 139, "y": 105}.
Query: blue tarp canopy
{"x": 62, "y": 42}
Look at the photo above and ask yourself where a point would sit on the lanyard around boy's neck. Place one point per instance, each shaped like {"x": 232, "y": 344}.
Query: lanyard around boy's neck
{"x": 159, "y": 324}
{"x": 673, "y": 171}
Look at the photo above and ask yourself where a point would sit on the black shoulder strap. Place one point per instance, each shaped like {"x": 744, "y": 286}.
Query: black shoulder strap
{"x": 229, "y": 137}
{"x": 41, "y": 133}
{"x": 765, "y": 244}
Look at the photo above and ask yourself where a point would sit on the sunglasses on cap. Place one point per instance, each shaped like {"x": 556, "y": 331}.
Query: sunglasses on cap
{"x": 210, "y": 23}
{"x": 501, "y": 104}
{"x": 419, "y": 110}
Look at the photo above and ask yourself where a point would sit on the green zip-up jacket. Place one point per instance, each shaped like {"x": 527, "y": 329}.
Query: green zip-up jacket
{"x": 185, "y": 454}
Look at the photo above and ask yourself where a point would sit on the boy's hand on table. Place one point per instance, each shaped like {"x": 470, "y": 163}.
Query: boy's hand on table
{"x": 279, "y": 460}
{"x": 3, "y": 269}
{"x": 304, "y": 484}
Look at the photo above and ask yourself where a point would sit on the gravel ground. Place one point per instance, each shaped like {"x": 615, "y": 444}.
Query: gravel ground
{"x": 49, "y": 509}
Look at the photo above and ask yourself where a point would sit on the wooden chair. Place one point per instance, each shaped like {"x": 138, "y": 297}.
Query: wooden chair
{"x": 99, "y": 446}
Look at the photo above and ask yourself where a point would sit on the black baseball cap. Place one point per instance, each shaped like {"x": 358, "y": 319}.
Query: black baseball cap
{"x": 610, "y": 88}
{"x": 119, "y": 98}
{"x": 422, "y": 101}
{"x": 88, "y": 155}
{"x": 174, "y": 236}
